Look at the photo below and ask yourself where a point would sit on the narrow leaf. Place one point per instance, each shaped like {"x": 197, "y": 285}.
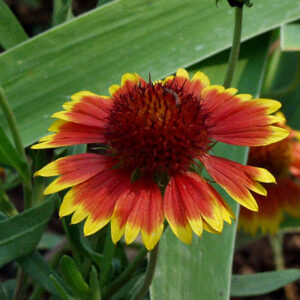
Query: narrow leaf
{"x": 60, "y": 289}
{"x": 11, "y": 32}
{"x": 38, "y": 269}
{"x": 11, "y": 157}
{"x": 95, "y": 293}
{"x": 20, "y": 234}
{"x": 62, "y": 11}
{"x": 7, "y": 289}
{"x": 262, "y": 283}
{"x": 73, "y": 277}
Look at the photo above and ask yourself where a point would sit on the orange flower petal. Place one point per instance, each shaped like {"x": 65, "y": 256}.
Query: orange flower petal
{"x": 74, "y": 169}
{"x": 238, "y": 121}
{"x": 237, "y": 179}
{"x": 139, "y": 209}
{"x": 95, "y": 199}
{"x": 69, "y": 134}
{"x": 191, "y": 200}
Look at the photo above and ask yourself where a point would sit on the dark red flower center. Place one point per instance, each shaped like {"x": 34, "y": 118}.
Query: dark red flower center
{"x": 157, "y": 128}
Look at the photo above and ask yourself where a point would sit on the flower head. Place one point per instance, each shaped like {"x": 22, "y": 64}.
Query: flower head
{"x": 152, "y": 135}
{"x": 283, "y": 160}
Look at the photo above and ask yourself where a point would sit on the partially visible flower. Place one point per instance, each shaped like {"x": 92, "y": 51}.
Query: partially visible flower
{"x": 153, "y": 136}
{"x": 283, "y": 160}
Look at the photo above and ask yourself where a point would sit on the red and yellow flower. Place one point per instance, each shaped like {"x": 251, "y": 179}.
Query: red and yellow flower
{"x": 283, "y": 160}
{"x": 151, "y": 136}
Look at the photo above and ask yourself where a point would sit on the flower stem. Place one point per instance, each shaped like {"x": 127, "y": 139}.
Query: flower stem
{"x": 113, "y": 287}
{"x": 6, "y": 205}
{"x": 12, "y": 122}
{"x": 235, "y": 49}
{"x": 276, "y": 243}
{"x": 27, "y": 186}
{"x": 20, "y": 286}
{"x": 108, "y": 255}
{"x": 141, "y": 292}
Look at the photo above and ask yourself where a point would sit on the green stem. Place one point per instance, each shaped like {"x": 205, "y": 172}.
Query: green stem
{"x": 235, "y": 49}
{"x": 113, "y": 287}
{"x": 6, "y": 205}
{"x": 20, "y": 285}
{"x": 108, "y": 255}
{"x": 12, "y": 122}
{"x": 27, "y": 188}
{"x": 141, "y": 292}
{"x": 276, "y": 243}
{"x": 86, "y": 265}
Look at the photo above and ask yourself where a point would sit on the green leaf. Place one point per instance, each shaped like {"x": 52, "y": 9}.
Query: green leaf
{"x": 93, "y": 255}
{"x": 103, "y": 2}
{"x": 49, "y": 240}
{"x": 38, "y": 269}
{"x": 108, "y": 254}
{"x": 60, "y": 289}
{"x": 6, "y": 206}
{"x": 20, "y": 234}
{"x": 73, "y": 277}
{"x": 203, "y": 269}
{"x": 11, "y": 157}
{"x": 11, "y": 32}
{"x": 289, "y": 64}
{"x": 92, "y": 51}
{"x": 289, "y": 37}
{"x": 62, "y": 11}
{"x": 95, "y": 293}
{"x": 7, "y": 289}
{"x": 262, "y": 283}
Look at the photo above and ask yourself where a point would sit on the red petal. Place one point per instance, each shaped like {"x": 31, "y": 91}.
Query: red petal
{"x": 236, "y": 179}
{"x": 175, "y": 213}
{"x": 74, "y": 170}
{"x": 295, "y": 165}
{"x": 189, "y": 198}
{"x": 96, "y": 198}
{"x": 87, "y": 109}
{"x": 68, "y": 134}
{"x": 234, "y": 120}
{"x": 139, "y": 209}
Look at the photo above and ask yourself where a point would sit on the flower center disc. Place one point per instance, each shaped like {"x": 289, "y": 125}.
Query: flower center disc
{"x": 157, "y": 128}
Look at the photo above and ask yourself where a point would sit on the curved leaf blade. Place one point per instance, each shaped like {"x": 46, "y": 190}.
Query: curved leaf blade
{"x": 38, "y": 269}
{"x": 262, "y": 283}
{"x": 20, "y": 234}
{"x": 11, "y": 32}
{"x": 10, "y": 156}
